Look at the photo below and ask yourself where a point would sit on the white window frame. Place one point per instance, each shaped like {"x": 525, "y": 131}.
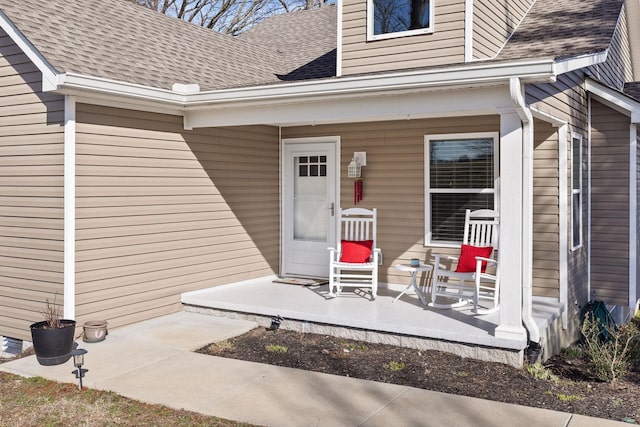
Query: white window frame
{"x": 371, "y": 25}
{"x": 575, "y": 137}
{"x": 427, "y": 181}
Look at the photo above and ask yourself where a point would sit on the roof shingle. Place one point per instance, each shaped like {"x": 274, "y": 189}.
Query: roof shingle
{"x": 563, "y": 28}
{"x": 122, "y": 41}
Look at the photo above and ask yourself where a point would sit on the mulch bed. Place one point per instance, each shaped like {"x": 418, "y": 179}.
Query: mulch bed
{"x": 575, "y": 391}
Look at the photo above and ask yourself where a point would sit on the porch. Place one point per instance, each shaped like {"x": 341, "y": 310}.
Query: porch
{"x": 406, "y": 322}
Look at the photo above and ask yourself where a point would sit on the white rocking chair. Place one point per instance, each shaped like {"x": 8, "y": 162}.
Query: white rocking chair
{"x": 355, "y": 262}
{"x": 480, "y": 235}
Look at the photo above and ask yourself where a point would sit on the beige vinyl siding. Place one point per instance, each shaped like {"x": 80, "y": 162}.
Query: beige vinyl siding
{"x": 546, "y": 233}
{"x": 394, "y": 178}
{"x": 566, "y": 99}
{"x": 161, "y": 211}
{"x": 444, "y": 46}
{"x": 609, "y": 205}
{"x": 493, "y": 24}
{"x": 31, "y": 193}
{"x": 632, "y": 13}
{"x": 617, "y": 69}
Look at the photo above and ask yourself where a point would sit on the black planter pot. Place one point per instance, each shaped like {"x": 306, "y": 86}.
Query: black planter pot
{"x": 53, "y": 346}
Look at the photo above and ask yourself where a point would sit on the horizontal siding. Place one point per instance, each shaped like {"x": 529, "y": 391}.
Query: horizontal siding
{"x": 393, "y": 178}
{"x": 31, "y": 193}
{"x": 610, "y": 205}
{"x": 546, "y": 237}
{"x": 565, "y": 99}
{"x": 493, "y": 24}
{"x": 617, "y": 69}
{"x": 444, "y": 46}
{"x": 161, "y": 211}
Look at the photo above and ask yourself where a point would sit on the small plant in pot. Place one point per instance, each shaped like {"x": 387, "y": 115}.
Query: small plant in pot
{"x": 53, "y": 337}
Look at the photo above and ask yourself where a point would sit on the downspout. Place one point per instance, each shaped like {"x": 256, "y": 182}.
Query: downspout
{"x": 517, "y": 97}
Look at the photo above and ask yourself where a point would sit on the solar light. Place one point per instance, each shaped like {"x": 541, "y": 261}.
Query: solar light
{"x": 78, "y": 361}
{"x": 275, "y": 323}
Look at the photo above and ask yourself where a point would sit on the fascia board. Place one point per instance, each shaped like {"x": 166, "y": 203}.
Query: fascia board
{"x": 404, "y": 106}
{"x": 578, "y": 62}
{"x": 614, "y": 99}
{"x": 76, "y": 83}
{"x": 48, "y": 72}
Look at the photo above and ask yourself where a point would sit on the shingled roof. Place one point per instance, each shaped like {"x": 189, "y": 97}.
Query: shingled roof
{"x": 122, "y": 41}
{"x": 564, "y": 28}
{"x": 299, "y": 36}
{"x": 633, "y": 89}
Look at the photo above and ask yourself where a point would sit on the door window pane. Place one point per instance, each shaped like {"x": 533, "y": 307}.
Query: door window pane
{"x": 310, "y": 199}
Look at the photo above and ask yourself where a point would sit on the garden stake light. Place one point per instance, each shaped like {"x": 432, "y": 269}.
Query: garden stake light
{"x": 78, "y": 361}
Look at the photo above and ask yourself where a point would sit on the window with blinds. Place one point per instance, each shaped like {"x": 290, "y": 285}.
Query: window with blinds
{"x": 460, "y": 174}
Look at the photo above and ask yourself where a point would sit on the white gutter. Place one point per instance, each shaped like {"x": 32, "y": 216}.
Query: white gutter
{"x": 69, "y": 262}
{"x": 493, "y": 73}
{"x": 516, "y": 91}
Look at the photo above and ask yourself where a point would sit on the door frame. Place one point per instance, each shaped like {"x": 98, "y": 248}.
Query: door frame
{"x": 306, "y": 140}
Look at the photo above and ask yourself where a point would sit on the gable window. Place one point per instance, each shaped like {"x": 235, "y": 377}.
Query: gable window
{"x": 395, "y": 18}
{"x": 460, "y": 174}
{"x": 576, "y": 191}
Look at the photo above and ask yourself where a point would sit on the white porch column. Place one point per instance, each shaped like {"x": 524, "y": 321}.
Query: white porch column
{"x": 511, "y": 231}
{"x": 69, "y": 207}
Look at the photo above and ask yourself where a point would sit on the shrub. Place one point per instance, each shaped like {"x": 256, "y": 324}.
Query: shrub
{"x": 539, "y": 371}
{"x": 608, "y": 349}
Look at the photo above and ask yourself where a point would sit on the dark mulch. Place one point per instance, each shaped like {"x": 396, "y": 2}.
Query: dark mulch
{"x": 574, "y": 391}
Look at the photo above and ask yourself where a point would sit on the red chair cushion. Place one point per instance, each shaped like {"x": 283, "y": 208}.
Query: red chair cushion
{"x": 355, "y": 251}
{"x": 468, "y": 254}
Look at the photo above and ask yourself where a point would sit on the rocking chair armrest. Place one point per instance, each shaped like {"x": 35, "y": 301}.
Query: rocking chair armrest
{"x": 447, "y": 257}
{"x": 489, "y": 261}
{"x": 376, "y": 256}
{"x": 483, "y": 274}
{"x": 334, "y": 254}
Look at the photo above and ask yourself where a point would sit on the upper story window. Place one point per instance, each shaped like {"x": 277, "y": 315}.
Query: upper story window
{"x": 397, "y": 18}
{"x": 460, "y": 173}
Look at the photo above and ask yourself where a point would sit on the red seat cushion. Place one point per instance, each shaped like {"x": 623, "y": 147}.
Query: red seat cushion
{"x": 356, "y": 251}
{"x": 468, "y": 254}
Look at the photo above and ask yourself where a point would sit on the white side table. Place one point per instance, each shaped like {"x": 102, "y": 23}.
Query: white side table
{"x": 414, "y": 272}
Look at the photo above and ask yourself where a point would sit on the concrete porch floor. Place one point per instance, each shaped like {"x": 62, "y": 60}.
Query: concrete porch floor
{"x": 406, "y": 322}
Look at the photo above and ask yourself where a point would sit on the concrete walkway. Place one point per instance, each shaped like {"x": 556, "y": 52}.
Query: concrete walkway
{"x": 153, "y": 362}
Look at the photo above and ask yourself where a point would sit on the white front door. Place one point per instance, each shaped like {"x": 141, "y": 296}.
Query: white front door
{"x": 309, "y": 205}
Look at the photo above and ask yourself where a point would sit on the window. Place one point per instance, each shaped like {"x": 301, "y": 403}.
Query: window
{"x": 460, "y": 174}
{"x": 576, "y": 191}
{"x": 394, "y": 18}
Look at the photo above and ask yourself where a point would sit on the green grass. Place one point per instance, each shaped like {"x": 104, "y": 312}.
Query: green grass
{"x": 36, "y": 402}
